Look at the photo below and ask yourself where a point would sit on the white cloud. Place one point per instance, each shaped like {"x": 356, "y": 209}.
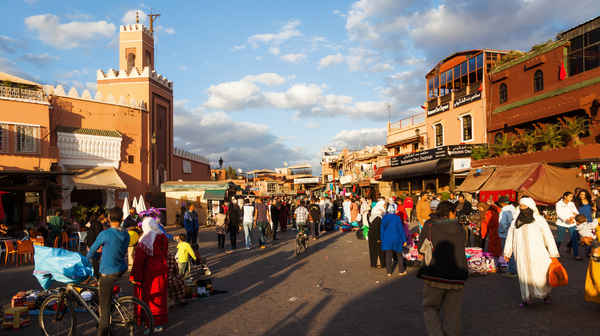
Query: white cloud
{"x": 234, "y": 95}
{"x": 130, "y": 15}
{"x": 39, "y": 59}
{"x": 288, "y": 31}
{"x": 382, "y": 67}
{"x": 359, "y": 137}
{"x": 67, "y": 35}
{"x": 168, "y": 30}
{"x": 239, "y": 47}
{"x": 331, "y": 60}
{"x": 8, "y": 44}
{"x": 312, "y": 124}
{"x": 293, "y": 58}
{"x": 270, "y": 79}
{"x": 274, "y": 51}
{"x": 241, "y": 144}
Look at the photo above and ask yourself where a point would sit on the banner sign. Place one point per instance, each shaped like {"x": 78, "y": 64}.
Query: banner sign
{"x": 438, "y": 109}
{"x": 432, "y": 154}
{"x": 467, "y": 99}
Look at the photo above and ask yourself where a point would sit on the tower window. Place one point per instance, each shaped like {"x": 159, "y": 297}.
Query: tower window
{"x": 467, "y": 128}
{"x": 503, "y": 93}
{"x": 130, "y": 159}
{"x": 538, "y": 81}
{"x": 439, "y": 135}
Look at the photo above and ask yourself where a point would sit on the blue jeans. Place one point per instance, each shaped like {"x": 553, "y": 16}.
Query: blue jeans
{"x": 247, "y": 232}
{"x": 574, "y": 238}
{"x": 262, "y": 228}
{"x": 512, "y": 266}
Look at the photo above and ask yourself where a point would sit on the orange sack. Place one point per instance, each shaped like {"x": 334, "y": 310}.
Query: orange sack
{"x": 557, "y": 275}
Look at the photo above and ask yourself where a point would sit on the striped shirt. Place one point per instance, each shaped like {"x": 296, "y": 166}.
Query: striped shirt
{"x": 301, "y": 214}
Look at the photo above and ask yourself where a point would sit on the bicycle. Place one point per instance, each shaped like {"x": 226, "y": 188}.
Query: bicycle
{"x": 301, "y": 240}
{"x": 129, "y": 315}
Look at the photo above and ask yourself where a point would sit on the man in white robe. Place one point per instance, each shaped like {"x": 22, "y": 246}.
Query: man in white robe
{"x": 530, "y": 240}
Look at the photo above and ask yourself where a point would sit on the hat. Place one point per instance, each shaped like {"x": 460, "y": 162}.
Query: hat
{"x": 503, "y": 199}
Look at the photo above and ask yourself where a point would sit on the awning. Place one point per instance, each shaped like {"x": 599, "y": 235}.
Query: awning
{"x": 510, "y": 177}
{"x": 475, "y": 180}
{"x": 417, "y": 169}
{"x": 97, "y": 178}
{"x": 214, "y": 195}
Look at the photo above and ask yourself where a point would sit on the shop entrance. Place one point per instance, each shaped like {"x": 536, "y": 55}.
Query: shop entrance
{"x": 88, "y": 198}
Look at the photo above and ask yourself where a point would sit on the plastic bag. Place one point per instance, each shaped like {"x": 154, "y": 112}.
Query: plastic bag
{"x": 557, "y": 275}
{"x": 54, "y": 264}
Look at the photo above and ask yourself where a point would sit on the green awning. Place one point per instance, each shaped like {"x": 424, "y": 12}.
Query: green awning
{"x": 214, "y": 195}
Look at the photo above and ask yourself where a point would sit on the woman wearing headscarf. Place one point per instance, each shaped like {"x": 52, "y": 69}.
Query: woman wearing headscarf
{"x": 150, "y": 269}
{"x": 533, "y": 245}
{"x": 393, "y": 237}
{"x": 490, "y": 240}
{"x": 374, "y": 236}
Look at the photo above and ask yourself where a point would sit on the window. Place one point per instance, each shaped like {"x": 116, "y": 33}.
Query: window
{"x": 538, "y": 81}
{"x": 467, "y": 128}
{"x": 439, "y": 135}
{"x": 130, "y": 159}
{"x": 584, "y": 52}
{"x": 3, "y": 138}
{"x": 503, "y": 93}
{"x": 187, "y": 166}
{"x": 271, "y": 187}
{"x": 26, "y": 139}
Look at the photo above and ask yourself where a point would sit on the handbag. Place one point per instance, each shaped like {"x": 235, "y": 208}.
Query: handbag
{"x": 557, "y": 275}
{"x": 427, "y": 249}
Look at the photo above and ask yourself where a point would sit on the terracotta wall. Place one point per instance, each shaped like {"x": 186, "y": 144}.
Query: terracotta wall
{"x": 73, "y": 112}
{"x": 200, "y": 171}
{"x": 451, "y": 121}
{"x": 33, "y": 114}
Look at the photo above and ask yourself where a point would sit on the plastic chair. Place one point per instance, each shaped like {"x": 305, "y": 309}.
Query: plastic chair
{"x": 24, "y": 251}
{"x": 74, "y": 243}
{"x": 39, "y": 241}
{"x": 10, "y": 249}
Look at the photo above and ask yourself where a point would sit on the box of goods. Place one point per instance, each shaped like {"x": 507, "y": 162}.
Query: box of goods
{"x": 19, "y": 300}
{"x": 15, "y": 317}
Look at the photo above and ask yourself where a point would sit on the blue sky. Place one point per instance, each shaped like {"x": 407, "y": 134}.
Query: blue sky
{"x": 260, "y": 83}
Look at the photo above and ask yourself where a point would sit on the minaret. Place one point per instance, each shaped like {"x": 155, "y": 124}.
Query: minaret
{"x": 136, "y": 48}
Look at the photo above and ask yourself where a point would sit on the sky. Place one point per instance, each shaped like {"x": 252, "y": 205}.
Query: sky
{"x": 264, "y": 83}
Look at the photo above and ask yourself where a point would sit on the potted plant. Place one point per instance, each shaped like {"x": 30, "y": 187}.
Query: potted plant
{"x": 572, "y": 129}
{"x": 504, "y": 146}
{"x": 526, "y": 140}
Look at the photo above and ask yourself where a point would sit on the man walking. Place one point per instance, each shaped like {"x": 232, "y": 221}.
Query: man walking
{"x": 247, "y": 222}
{"x": 275, "y": 206}
{"x": 507, "y": 214}
{"x": 446, "y": 273}
{"x": 261, "y": 220}
{"x": 233, "y": 224}
{"x": 190, "y": 223}
{"x": 301, "y": 214}
{"x": 315, "y": 217}
{"x": 423, "y": 210}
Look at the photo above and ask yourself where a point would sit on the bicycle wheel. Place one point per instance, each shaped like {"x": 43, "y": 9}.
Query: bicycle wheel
{"x": 56, "y": 316}
{"x": 130, "y": 316}
{"x": 298, "y": 246}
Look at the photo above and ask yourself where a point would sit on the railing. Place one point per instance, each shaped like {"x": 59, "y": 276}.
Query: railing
{"x": 460, "y": 93}
{"x": 474, "y": 87}
{"x": 446, "y": 98}
{"x": 15, "y": 92}
{"x": 432, "y": 103}
{"x": 409, "y": 122}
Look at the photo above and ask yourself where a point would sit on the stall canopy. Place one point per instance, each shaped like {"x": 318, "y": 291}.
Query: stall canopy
{"x": 475, "y": 180}
{"x": 416, "y": 169}
{"x": 214, "y": 195}
{"x": 97, "y": 178}
{"x": 540, "y": 181}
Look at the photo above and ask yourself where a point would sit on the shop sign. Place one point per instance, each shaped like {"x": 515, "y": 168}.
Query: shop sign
{"x": 364, "y": 183}
{"x": 439, "y": 109}
{"x": 346, "y": 179}
{"x": 426, "y": 155}
{"x": 460, "y": 150}
{"x": 467, "y": 99}
{"x": 461, "y": 164}
{"x": 307, "y": 180}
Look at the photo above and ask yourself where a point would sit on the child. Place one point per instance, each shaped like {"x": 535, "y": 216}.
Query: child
{"x": 134, "y": 237}
{"x": 184, "y": 251}
{"x": 585, "y": 228}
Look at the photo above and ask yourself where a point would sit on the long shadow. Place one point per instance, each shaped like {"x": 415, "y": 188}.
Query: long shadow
{"x": 245, "y": 284}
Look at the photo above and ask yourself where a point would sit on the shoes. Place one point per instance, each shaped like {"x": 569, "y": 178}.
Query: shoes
{"x": 389, "y": 274}
{"x": 548, "y": 300}
{"x": 158, "y": 329}
{"x": 403, "y": 273}
{"x": 248, "y": 248}
{"x": 263, "y": 247}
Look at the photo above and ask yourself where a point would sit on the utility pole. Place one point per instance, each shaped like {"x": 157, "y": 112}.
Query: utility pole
{"x": 152, "y": 17}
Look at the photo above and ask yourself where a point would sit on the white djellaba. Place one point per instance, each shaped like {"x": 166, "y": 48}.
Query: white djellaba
{"x": 533, "y": 246}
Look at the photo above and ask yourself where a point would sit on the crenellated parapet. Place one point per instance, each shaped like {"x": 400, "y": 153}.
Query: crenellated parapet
{"x": 59, "y": 91}
{"x": 136, "y": 28}
{"x": 134, "y": 73}
{"x": 190, "y": 156}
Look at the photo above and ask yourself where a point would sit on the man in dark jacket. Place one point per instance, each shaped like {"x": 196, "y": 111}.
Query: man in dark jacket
{"x": 191, "y": 225}
{"x": 275, "y": 206}
{"x": 446, "y": 273}
{"x": 234, "y": 215}
{"x": 315, "y": 217}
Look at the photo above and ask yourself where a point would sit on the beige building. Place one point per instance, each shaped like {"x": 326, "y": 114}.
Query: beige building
{"x": 407, "y": 135}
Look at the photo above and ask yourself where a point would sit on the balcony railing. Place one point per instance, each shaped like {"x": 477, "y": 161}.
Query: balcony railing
{"x": 19, "y": 93}
{"x": 409, "y": 122}
{"x": 460, "y": 93}
{"x": 446, "y": 99}
{"x": 432, "y": 103}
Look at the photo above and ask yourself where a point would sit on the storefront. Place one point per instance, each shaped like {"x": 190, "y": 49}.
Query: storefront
{"x": 434, "y": 170}
{"x": 27, "y": 197}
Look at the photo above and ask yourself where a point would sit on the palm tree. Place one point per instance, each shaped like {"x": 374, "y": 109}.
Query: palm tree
{"x": 572, "y": 128}
{"x": 526, "y": 139}
{"x": 504, "y": 146}
{"x": 548, "y": 135}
